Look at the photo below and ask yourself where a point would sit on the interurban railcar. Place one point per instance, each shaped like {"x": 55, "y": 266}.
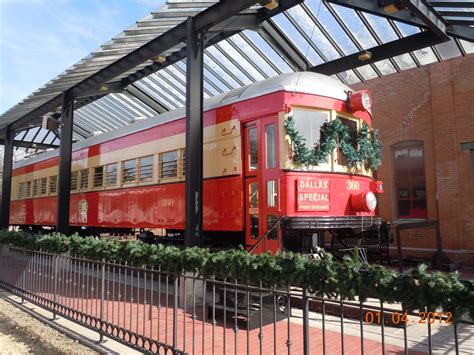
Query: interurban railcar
{"x": 133, "y": 178}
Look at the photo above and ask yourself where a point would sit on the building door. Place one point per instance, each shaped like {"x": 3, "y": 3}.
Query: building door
{"x": 261, "y": 182}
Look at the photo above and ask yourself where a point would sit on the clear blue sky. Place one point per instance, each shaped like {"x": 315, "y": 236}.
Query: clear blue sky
{"x": 41, "y": 38}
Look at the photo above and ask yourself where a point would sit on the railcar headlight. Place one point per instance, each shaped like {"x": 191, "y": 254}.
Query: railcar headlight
{"x": 361, "y": 100}
{"x": 364, "y": 201}
{"x": 366, "y": 101}
{"x": 371, "y": 200}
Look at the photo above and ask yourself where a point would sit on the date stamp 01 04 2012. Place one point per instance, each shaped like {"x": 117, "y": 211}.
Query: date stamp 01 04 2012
{"x": 403, "y": 317}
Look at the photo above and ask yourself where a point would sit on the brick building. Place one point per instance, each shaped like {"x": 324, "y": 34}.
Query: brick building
{"x": 426, "y": 122}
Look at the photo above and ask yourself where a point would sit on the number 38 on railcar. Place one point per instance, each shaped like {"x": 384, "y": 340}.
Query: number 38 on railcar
{"x": 284, "y": 159}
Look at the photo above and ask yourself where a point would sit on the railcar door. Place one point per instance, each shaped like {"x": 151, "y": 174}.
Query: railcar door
{"x": 261, "y": 182}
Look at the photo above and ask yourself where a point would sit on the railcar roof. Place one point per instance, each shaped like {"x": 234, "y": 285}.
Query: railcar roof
{"x": 302, "y": 82}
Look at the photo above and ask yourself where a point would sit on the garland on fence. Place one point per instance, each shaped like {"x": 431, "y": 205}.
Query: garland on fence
{"x": 416, "y": 289}
{"x": 332, "y": 135}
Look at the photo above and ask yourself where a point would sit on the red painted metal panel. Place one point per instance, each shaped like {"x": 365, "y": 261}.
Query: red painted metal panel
{"x": 341, "y": 186}
{"x": 155, "y": 206}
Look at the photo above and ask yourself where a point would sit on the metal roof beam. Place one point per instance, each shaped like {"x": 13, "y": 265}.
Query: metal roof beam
{"x": 146, "y": 99}
{"x": 243, "y": 21}
{"x": 436, "y": 3}
{"x": 280, "y": 42}
{"x": 432, "y": 20}
{"x": 416, "y": 13}
{"x": 456, "y": 13}
{"x": 460, "y": 21}
{"x": 371, "y": 7}
{"x": 463, "y": 32}
{"x": 31, "y": 145}
{"x": 385, "y": 51}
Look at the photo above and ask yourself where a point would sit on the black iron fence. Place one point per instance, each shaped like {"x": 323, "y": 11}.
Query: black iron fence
{"x": 156, "y": 312}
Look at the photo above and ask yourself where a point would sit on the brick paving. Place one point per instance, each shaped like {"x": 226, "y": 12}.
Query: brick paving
{"x": 151, "y": 313}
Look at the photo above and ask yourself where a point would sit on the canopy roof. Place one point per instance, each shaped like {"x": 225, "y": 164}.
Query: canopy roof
{"x": 141, "y": 72}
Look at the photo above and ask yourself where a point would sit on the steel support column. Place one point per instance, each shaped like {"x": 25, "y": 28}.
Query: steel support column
{"x": 64, "y": 173}
{"x": 194, "y": 135}
{"x": 7, "y": 176}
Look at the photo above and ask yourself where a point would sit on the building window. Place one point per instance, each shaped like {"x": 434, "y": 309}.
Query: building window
{"x": 74, "y": 178}
{"x": 84, "y": 179}
{"x": 53, "y": 184}
{"x": 112, "y": 174}
{"x": 308, "y": 124}
{"x": 129, "y": 171}
{"x": 470, "y": 147}
{"x": 99, "y": 176}
{"x": 146, "y": 168}
{"x": 169, "y": 164}
{"x": 410, "y": 185}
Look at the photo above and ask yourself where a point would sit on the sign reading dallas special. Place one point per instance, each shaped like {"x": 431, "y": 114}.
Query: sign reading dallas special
{"x": 312, "y": 194}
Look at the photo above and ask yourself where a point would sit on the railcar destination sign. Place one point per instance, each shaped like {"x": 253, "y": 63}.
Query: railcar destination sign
{"x": 312, "y": 194}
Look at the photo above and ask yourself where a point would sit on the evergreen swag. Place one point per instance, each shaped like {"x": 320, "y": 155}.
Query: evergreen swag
{"x": 333, "y": 134}
{"x": 416, "y": 289}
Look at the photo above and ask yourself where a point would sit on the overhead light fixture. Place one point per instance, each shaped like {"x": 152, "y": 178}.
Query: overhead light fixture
{"x": 159, "y": 58}
{"x": 390, "y": 6}
{"x": 103, "y": 88}
{"x": 50, "y": 123}
{"x": 365, "y": 56}
{"x": 270, "y": 4}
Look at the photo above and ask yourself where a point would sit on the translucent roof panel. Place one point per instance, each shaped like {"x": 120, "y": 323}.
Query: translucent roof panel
{"x": 309, "y": 35}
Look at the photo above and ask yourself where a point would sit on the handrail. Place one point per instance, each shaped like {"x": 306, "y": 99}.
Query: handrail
{"x": 259, "y": 241}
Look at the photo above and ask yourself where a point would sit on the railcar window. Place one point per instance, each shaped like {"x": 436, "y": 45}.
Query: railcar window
{"x": 53, "y": 184}
{"x": 99, "y": 176}
{"x": 146, "y": 168}
{"x": 183, "y": 162}
{"x": 253, "y": 210}
{"x": 253, "y": 148}
{"x": 44, "y": 184}
{"x": 169, "y": 164}
{"x": 352, "y": 129}
{"x": 112, "y": 174}
{"x": 272, "y": 193}
{"x": 410, "y": 188}
{"x": 309, "y": 123}
{"x": 84, "y": 179}
{"x": 129, "y": 170}
{"x": 74, "y": 176}
{"x": 21, "y": 188}
{"x": 36, "y": 187}
{"x": 270, "y": 137}
{"x": 24, "y": 189}
{"x": 270, "y": 222}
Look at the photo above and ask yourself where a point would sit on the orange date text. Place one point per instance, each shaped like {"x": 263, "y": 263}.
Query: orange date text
{"x": 371, "y": 317}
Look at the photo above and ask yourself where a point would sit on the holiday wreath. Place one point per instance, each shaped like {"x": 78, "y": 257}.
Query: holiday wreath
{"x": 335, "y": 134}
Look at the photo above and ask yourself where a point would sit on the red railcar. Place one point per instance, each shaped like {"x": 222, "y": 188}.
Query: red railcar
{"x": 133, "y": 177}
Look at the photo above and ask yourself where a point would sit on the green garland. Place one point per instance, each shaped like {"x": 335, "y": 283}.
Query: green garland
{"x": 416, "y": 289}
{"x": 332, "y": 135}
